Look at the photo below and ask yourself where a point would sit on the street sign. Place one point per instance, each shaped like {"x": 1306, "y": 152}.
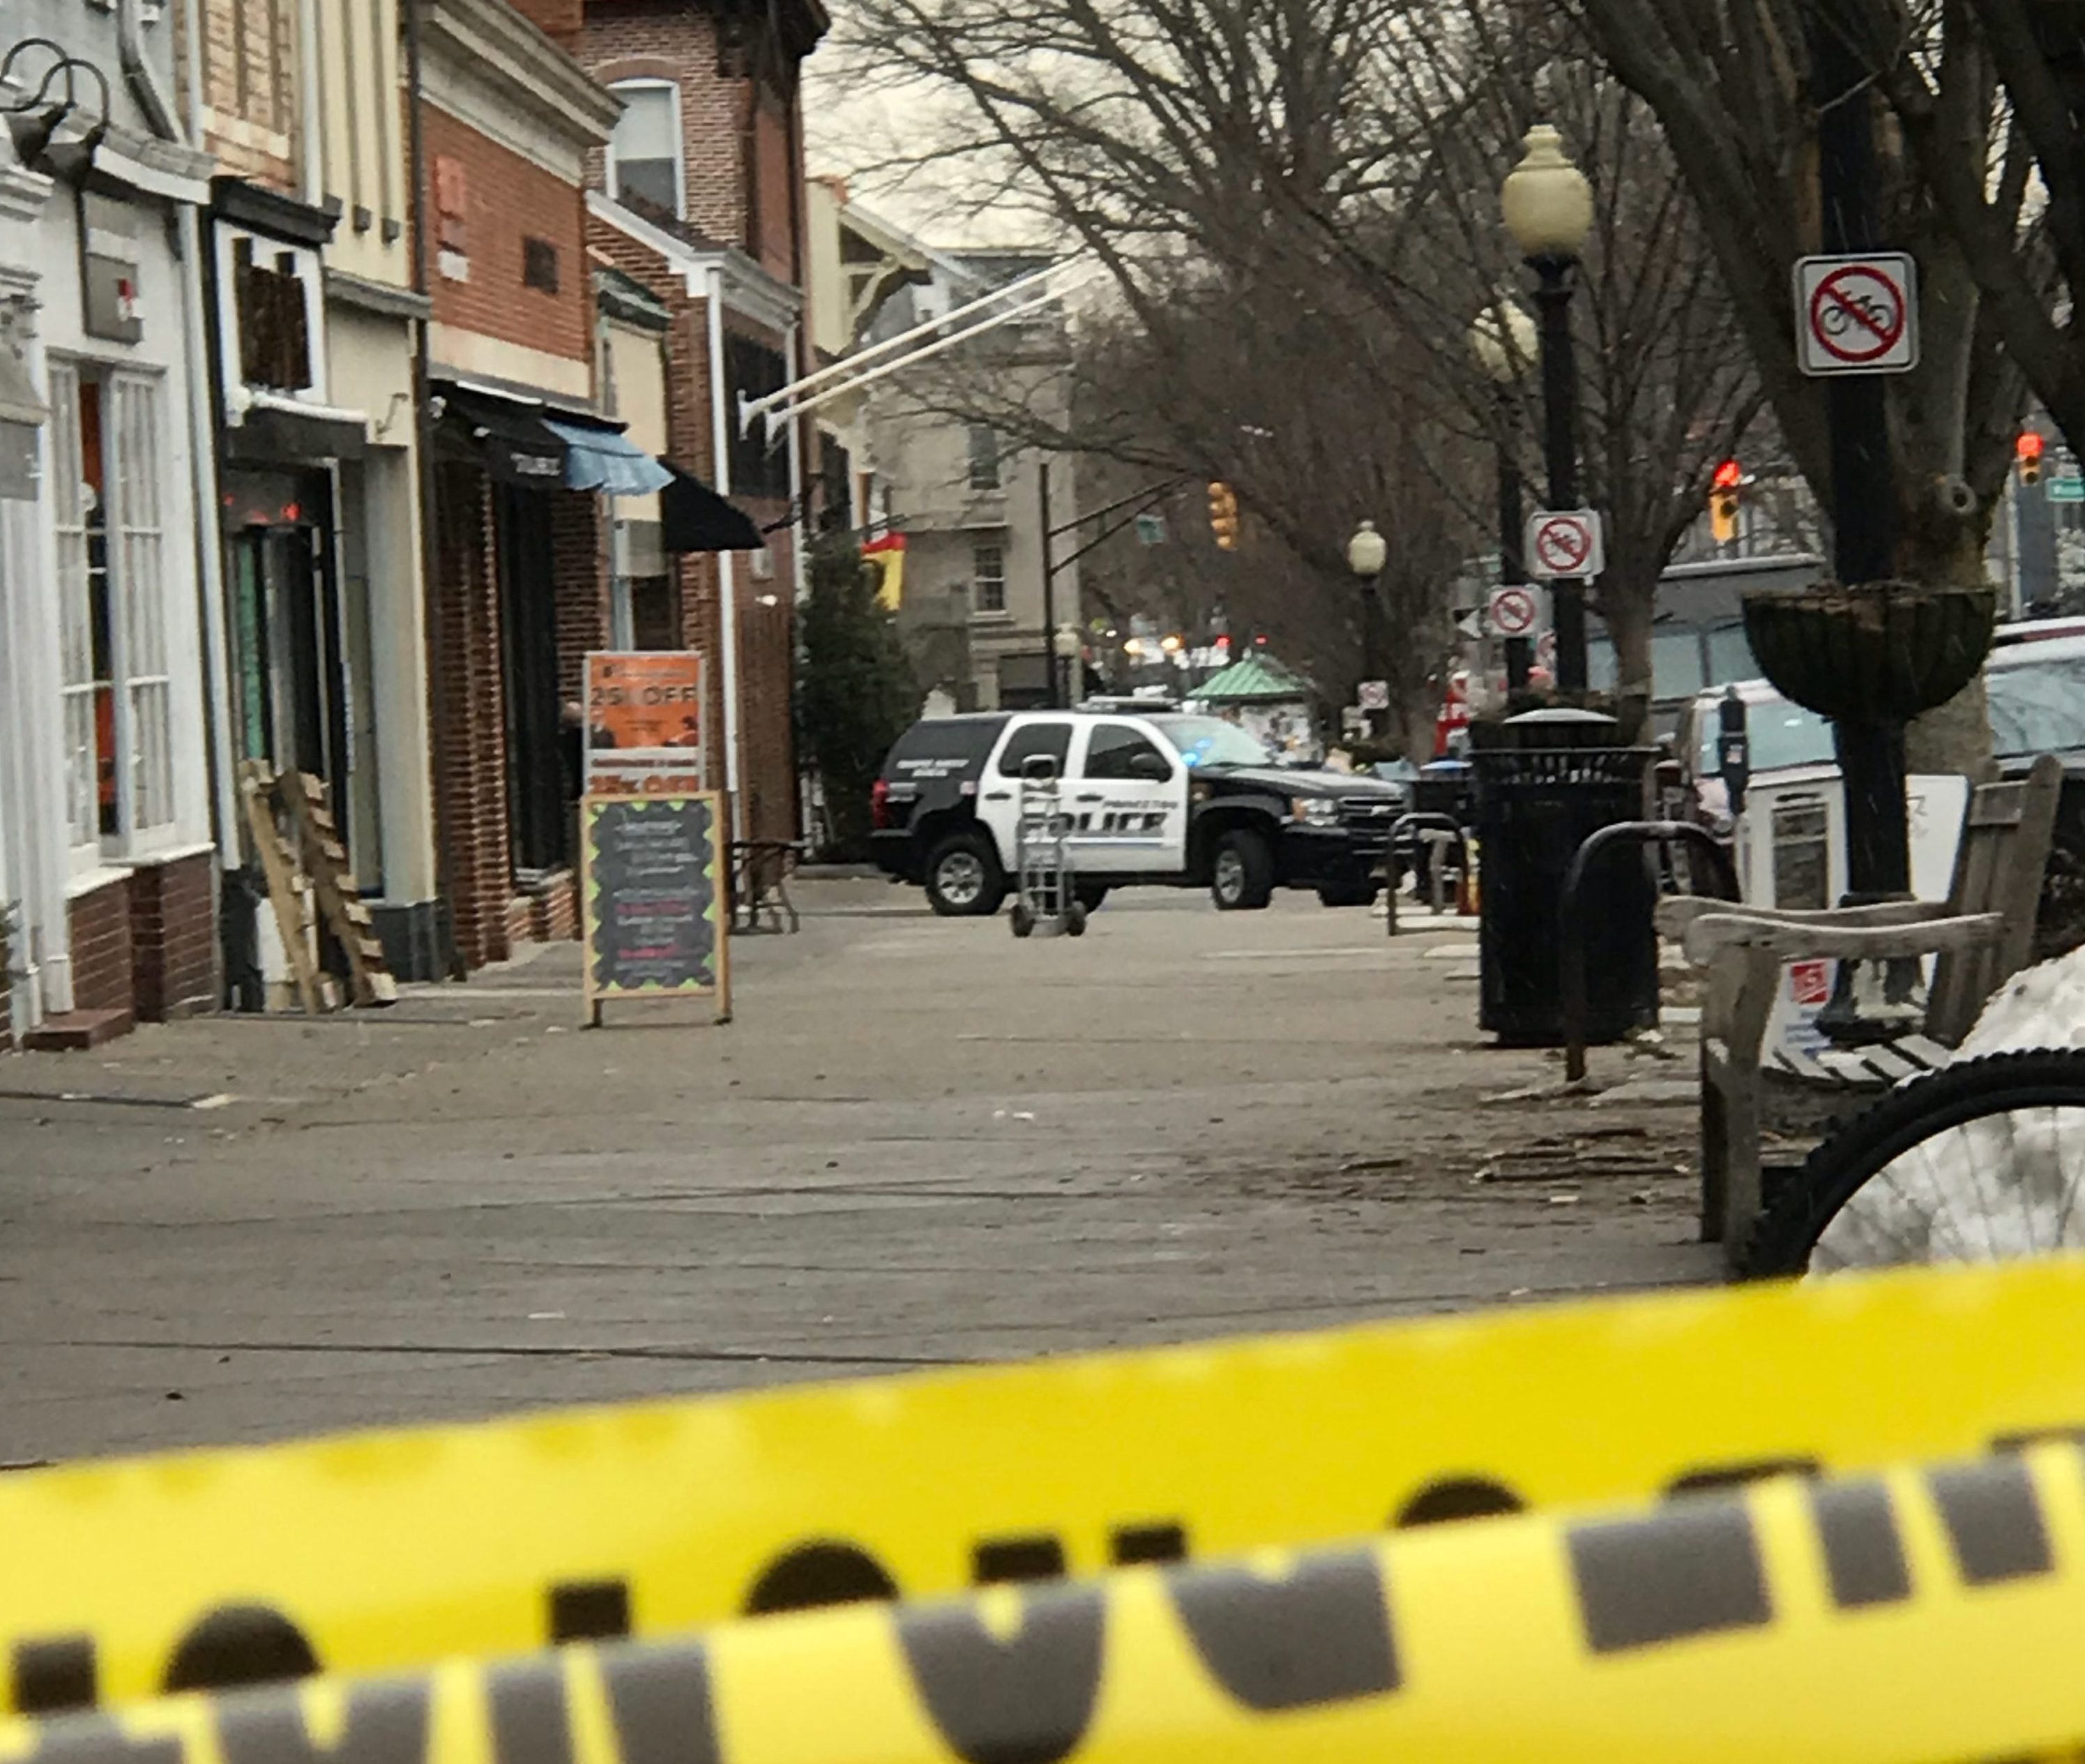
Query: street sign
{"x": 1516, "y": 611}
{"x": 1545, "y": 652}
{"x": 1471, "y": 623}
{"x": 1858, "y": 315}
{"x": 1373, "y": 695}
{"x": 1565, "y": 543}
{"x": 1151, "y": 529}
{"x": 2065, "y": 489}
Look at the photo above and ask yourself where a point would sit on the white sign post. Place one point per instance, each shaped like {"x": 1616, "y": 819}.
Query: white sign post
{"x": 1564, "y": 545}
{"x": 1516, "y": 611}
{"x": 1857, "y": 315}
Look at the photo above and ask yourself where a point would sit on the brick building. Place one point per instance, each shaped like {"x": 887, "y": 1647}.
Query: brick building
{"x": 699, "y": 198}
{"x": 507, "y": 120}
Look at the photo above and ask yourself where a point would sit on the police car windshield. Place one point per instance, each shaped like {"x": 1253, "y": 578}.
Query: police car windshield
{"x": 1212, "y": 741}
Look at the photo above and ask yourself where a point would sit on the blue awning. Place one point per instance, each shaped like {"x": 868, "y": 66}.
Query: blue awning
{"x": 607, "y": 460}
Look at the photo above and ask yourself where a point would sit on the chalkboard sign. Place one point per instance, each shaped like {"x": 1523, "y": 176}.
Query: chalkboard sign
{"x": 651, "y": 889}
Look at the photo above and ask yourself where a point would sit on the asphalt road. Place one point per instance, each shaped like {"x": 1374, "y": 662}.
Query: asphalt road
{"x": 922, "y": 1141}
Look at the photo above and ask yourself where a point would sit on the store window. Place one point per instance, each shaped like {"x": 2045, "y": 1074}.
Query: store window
{"x": 988, "y": 579}
{"x": 644, "y": 158}
{"x": 108, "y": 455}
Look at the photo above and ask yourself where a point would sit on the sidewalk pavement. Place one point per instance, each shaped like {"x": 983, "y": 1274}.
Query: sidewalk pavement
{"x": 921, "y": 1142}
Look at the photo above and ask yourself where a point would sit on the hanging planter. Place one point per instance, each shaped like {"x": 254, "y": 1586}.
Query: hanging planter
{"x": 1880, "y": 652}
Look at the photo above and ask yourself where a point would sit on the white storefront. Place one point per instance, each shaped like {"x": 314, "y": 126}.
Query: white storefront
{"x": 105, "y": 813}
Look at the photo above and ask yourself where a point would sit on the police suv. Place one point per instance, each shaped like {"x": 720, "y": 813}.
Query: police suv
{"x": 1165, "y": 799}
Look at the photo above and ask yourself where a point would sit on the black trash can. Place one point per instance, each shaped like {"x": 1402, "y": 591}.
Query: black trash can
{"x": 1546, "y": 782}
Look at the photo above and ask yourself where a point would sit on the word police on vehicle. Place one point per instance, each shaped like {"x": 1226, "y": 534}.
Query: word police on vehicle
{"x": 1167, "y": 799}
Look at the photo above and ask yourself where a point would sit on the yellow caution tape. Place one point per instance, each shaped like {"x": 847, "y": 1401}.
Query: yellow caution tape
{"x": 1906, "y": 1617}
{"x": 123, "y": 1580}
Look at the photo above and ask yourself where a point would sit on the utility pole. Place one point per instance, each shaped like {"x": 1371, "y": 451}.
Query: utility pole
{"x": 1049, "y": 583}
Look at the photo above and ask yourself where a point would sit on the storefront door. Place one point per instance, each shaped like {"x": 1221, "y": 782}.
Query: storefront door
{"x": 288, "y": 671}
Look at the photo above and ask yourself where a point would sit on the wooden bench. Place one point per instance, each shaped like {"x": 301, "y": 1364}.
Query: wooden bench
{"x": 1982, "y": 935}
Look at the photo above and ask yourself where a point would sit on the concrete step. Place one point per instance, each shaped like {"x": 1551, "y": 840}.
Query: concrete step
{"x": 75, "y": 1032}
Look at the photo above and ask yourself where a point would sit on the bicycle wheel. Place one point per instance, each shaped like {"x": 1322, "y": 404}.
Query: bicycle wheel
{"x": 1978, "y": 1162}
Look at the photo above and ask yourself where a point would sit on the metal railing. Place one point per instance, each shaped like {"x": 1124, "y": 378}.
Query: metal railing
{"x": 1570, "y": 917}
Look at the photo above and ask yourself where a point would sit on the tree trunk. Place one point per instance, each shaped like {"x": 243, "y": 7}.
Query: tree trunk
{"x": 1414, "y": 712}
{"x": 1946, "y": 549}
{"x": 1626, "y": 605}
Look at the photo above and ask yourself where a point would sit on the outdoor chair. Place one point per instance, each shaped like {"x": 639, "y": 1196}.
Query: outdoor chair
{"x": 1982, "y": 935}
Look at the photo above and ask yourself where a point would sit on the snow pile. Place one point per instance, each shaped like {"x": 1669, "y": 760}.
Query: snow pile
{"x": 2041, "y": 1006}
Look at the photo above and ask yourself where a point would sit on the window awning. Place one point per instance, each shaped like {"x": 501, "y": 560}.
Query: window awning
{"x": 516, "y": 444}
{"x": 604, "y": 459}
{"x": 693, "y": 517}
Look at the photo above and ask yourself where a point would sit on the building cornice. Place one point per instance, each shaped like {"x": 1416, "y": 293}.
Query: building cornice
{"x": 485, "y": 48}
{"x": 377, "y": 297}
{"x": 23, "y": 192}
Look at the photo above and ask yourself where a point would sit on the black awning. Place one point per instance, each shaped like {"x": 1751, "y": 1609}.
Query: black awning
{"x": 513, "y": 441}
{"x": 269, "y": 434}
{"x": 693, "y": 517}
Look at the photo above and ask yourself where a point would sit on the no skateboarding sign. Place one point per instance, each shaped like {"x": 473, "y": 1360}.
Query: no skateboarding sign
{"x": 1857, "y": 315}
{"x": 1565, "y": 543}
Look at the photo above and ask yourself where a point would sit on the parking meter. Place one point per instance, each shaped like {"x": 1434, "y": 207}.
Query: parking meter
{"x": 1734, "y": 757}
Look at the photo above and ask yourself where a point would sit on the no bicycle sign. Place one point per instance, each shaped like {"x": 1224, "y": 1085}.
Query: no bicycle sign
{"x": 1857, "y": 315}
{"x": 1561, "y": 542}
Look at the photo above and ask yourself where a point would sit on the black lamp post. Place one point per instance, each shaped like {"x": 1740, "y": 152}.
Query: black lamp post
{"x": 1548, "y": 207}
{"x": 1503, "y": 341}
{"x": 1367, "y": 552}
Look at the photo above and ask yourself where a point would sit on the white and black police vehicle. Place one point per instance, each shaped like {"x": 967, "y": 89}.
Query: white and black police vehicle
{"x": 1165, "y": 800}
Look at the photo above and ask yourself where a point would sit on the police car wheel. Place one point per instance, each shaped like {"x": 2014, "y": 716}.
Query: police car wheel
{"x": 963, "y": 878}
{"x": 1241, "y": 877}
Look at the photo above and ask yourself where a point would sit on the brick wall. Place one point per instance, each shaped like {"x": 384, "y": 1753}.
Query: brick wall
{"x": 579, "y": 541}
{"x": 673, "y": 39}
{"x": 173, "y": 938}
{"x": 507, "y": 199}
{"x": 777, "y": 189}
{"x": 470, "y": 740}
{"x": 99, "y": 930}
{"x": 249, "y": 82}
{"x": 562, "y": 21}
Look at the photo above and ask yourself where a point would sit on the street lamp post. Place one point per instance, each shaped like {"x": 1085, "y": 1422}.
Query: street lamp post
{"x": 1367, "y": 552}
{"x": 1066, "y": 645}
{"x": 1548, "y": 208}
{"x": 1503, "y": 341}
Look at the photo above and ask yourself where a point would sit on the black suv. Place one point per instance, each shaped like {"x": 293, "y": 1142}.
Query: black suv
{"x": 1164, "y": 799}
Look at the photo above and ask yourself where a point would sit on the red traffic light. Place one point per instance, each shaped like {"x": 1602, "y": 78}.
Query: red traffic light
{"x": 2030, "y": 444}
{"x": 1729, "y": 475}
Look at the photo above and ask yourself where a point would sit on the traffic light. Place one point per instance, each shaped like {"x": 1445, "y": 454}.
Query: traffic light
{"x": 1723, "y": 501}
{"x": 1224, "y": 516}
{"x": 2028, "y": 448}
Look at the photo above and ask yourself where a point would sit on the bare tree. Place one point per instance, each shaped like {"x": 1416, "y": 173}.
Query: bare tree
{"x": 1731, "y": 86}
{"x": 1296, "y": 201}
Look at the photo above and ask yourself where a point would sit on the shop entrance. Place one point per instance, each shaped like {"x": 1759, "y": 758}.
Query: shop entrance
{"x": 290, "y": 685}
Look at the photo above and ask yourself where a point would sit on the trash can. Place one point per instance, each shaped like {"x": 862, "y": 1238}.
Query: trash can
{"x": 1546, "y": 781}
